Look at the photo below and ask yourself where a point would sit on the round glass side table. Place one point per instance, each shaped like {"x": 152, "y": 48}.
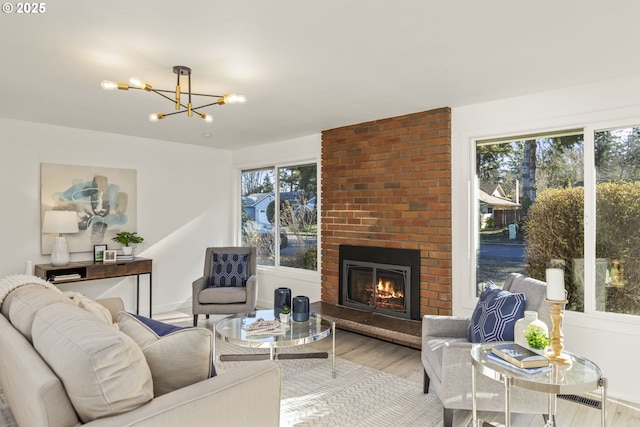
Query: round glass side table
{"x": 581, "y": 376}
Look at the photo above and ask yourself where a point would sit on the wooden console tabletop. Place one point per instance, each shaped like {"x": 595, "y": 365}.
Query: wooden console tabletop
{"x": 89, "y": 270}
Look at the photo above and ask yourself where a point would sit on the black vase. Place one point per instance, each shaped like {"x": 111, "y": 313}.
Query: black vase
{"x": 281, "y": 297}
{"x": 300, "y": 309}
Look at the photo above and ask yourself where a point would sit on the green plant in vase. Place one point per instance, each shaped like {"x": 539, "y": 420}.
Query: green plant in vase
{"x": 127, "y": 238}
{"x": 285, "y": 312}
{"x": 536, "y": 338}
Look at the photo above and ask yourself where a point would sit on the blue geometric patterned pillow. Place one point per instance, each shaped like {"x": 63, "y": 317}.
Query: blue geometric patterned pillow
{"x": 229, "y": 270}
{"x": 495, "y": 315}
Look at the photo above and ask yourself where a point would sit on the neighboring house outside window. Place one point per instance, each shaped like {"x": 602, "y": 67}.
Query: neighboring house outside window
{"x": 291, "y": 210}
{"x": 542, "y": 178}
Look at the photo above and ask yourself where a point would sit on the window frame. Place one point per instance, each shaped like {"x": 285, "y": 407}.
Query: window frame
{"x": 293, "y": 271}
{"x": 623, "y": 323}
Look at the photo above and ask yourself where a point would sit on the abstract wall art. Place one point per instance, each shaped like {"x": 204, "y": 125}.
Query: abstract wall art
{"x": 104, "y": 198}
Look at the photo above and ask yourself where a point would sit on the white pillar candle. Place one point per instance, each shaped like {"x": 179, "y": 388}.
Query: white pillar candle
{"x": 555, "y": 284}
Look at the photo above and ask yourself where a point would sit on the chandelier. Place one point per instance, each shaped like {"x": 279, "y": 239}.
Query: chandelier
{"x": 179, "y": 70}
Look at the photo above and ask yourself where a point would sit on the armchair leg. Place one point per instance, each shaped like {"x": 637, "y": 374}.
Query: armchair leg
{"x": 426, "y": 382}
{"x": 448, "y": 417}
{"x": 195, "y": 320}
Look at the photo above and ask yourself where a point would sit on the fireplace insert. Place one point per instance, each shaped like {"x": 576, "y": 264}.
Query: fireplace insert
{"x": 384, "y": 280}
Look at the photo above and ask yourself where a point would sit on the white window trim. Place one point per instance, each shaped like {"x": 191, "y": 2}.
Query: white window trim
{"x": 466, "y": 300}
{"x": 286, "y": 271}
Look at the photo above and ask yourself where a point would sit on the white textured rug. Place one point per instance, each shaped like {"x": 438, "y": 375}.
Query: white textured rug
{"x": 358, "y": 396}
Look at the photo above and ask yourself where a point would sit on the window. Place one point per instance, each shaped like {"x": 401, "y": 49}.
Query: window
{"x": 281, "y": 224}
{"x": 531, "y": 198}
{"x": 513, "y": 175}
{"x": 617, "y": 237}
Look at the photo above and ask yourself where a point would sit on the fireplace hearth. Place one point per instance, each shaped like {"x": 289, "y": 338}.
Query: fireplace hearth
{"x": 383, "y": 280}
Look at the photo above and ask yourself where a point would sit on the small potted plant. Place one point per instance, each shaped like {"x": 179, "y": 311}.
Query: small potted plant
{"x": 536, "y": 338}
{"x": 127, "y": 238}
{"x": 285, "y": 312}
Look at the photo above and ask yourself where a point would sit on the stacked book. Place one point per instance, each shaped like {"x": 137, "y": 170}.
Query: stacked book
{"x": 515, "y": 356}
{"x": 124, "y": 257}
{"x": 61, "y": 277}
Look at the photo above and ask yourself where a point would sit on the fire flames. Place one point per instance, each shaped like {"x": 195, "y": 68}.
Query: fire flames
{"x": 385, "y": 290}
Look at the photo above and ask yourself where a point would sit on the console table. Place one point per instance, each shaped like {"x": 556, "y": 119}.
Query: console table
{"x": 90, "y": 270}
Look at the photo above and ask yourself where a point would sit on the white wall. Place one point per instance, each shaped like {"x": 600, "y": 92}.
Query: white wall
{"x": 183, "y": 204}
{"x": 612, "y": 343}
{"x": 293, "y": 151}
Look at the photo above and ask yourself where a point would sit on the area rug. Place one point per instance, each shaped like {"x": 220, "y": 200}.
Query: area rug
{"x": 358, "y": 396}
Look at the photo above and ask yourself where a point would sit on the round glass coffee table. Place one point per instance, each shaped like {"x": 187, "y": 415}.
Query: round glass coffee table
{"x": 580, "y": 376}
{"x": 232, "y": 330}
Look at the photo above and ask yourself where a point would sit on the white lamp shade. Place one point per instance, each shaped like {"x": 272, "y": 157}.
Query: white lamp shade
{"x": 60, "y": 222}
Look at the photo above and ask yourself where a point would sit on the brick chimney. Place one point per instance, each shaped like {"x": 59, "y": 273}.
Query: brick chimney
{"x": 388, "y": 183}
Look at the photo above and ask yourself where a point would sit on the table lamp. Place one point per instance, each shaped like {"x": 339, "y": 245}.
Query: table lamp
{"x": 60, "y": 222}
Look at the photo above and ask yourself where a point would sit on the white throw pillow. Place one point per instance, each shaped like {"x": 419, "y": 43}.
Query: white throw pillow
{"x": 177, "y": 356}
{"x": 103, "y": 370}
{"x": 93, "y": 307}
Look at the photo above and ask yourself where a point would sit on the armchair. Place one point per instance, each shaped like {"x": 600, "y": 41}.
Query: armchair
{"x": 446, "y": 358}
{"x": 225, "y": 300}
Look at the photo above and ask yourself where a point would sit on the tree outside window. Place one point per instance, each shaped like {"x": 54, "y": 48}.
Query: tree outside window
{"x": 539, "y": 179}
{"x": 281, "y": 224}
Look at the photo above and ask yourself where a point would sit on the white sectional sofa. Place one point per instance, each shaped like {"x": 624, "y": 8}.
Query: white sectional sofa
{"x": 62, "y": 366}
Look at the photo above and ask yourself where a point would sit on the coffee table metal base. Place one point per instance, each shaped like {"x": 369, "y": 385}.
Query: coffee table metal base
{"x": 277, "y": 356}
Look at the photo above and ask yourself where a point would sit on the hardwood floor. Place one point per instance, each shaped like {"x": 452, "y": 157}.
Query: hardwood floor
{"x": 405, "y": 362}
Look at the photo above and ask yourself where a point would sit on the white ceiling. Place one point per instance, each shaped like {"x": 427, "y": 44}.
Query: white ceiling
{"x": 305, "y": 66}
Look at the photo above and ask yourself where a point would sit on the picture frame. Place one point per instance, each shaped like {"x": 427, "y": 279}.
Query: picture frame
{"x": 105, "y": 199}
{"x": 98, "y": 252}
{"x": 110, "y": 256}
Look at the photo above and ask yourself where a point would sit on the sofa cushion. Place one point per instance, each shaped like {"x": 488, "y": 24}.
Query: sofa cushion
{"x": 10, "y": 283}
{"x": 103, "y": 370}
{"x": 495, "y": 315}
{"x": 25, "y": 303}
{"x": 229, "y": 270}
{"x": 536, "y": 292}
{"x": 177, "y": 356}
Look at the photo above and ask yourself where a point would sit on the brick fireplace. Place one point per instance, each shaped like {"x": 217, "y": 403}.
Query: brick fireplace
{"x": 387, "y": 183}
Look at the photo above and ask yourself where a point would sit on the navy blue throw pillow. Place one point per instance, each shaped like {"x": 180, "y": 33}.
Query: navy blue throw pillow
{"x": 495, "y": 315}
{"x": 229, "y": 270}
{"x": 160, "y": 328}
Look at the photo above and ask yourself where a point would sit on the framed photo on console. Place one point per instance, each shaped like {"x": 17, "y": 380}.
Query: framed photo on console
{"x": 98, "y": 252}
{"x": 110, "y": 256}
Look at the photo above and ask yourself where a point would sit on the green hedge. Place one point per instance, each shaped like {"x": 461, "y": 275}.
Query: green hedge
{"x": 554, "y": 229}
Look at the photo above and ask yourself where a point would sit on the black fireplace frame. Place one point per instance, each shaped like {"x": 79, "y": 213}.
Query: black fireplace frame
{"x": 388, "y": 256}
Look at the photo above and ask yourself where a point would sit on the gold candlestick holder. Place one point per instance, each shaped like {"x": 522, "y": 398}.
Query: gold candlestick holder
{"x": 555, "y": 355}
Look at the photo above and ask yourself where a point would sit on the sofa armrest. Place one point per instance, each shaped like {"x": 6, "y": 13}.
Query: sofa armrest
{"x": 444, "y": 326}
{"x": 114, "y": 305}
{"x": 222, "y": 400}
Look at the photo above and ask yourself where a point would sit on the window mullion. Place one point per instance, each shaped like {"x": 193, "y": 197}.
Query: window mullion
{"x": 589, "y": 221}
{"x": 276, "y": 225}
